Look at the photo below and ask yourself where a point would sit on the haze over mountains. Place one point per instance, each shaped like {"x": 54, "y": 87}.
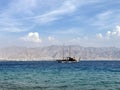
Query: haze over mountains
{"x": 56, "y": 52}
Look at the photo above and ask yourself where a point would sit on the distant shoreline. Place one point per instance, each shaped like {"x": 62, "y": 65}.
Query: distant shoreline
{"x": 48, "y": 60}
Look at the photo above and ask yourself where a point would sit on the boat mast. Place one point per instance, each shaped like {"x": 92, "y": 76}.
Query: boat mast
{"x": 63, "y": 51}
{"x": 69, "y": 51}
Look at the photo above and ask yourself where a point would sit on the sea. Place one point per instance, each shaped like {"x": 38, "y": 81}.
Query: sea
{"x": 51, "y": 75}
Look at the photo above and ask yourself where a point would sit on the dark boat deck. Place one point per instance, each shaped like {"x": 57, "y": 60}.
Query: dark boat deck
{"x": 68, "y": 59}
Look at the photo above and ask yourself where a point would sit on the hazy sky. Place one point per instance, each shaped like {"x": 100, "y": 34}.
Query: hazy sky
{"x": 47, "y": 22}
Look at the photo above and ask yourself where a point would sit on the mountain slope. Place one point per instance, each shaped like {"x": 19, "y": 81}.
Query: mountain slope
{"x": 55, "y": 52}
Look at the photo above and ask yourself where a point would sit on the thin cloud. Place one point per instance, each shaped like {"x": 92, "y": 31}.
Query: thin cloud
{"x": 11, "y": 16}
{"x": 21, "y": 8}
{"x": 25, "y": 9}
{"x": 66, "y": 8}
{"x": 28, "y": 12}
{"x": 11, "y": 25}
{"x": 105, "y": 20}
{"x": 67, "y": 31}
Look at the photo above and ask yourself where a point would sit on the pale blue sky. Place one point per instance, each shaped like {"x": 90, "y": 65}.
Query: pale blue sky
{"x": 89, "y": 23}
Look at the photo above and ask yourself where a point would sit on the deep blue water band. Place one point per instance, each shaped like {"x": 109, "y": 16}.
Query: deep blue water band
{"x": 85, "y": 75}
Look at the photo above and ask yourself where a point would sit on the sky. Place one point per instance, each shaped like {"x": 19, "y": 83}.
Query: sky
{"x": 34, "y": 23}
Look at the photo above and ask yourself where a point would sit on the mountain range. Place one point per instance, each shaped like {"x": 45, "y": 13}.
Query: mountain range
{"x": 56, "y": 52}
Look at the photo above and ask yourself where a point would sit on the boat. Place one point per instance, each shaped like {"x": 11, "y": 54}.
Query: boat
{"x": 68, "y": 59}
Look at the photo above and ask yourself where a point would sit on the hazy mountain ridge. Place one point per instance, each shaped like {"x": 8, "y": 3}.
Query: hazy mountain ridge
{"x": 55, "y": 52}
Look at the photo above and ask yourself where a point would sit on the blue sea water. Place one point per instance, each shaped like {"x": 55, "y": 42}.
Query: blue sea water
{"x": 45, "y": 75}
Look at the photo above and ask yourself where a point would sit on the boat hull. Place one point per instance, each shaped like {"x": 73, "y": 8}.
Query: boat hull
{"x": 66, "y": 61}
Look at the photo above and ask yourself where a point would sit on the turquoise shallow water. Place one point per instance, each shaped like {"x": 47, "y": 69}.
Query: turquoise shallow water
{"x": 85, "y": 75}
